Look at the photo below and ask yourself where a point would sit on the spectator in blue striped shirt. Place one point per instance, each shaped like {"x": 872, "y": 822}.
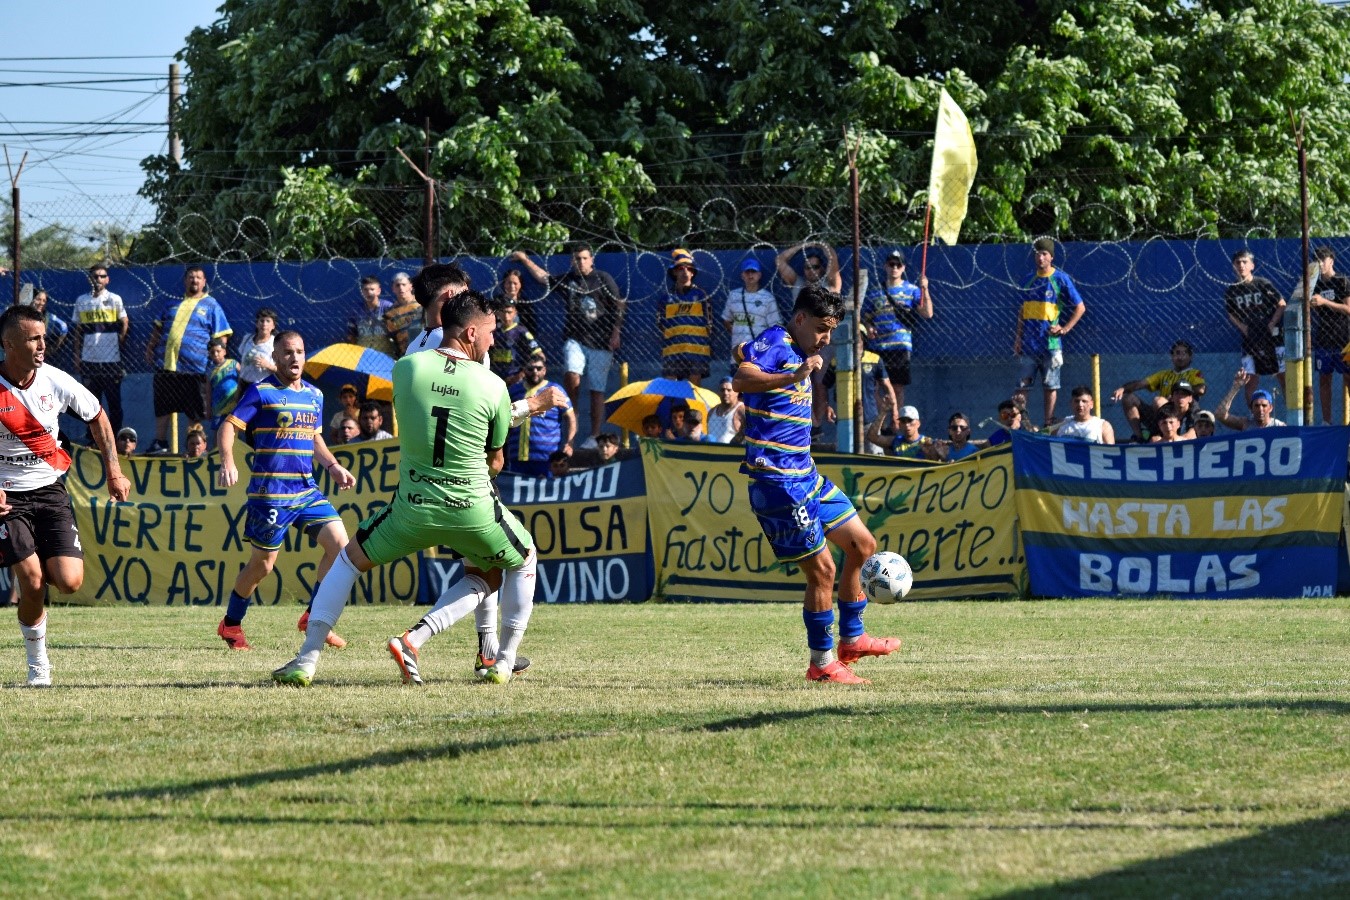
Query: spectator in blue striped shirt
{"x": 890, "y": 313}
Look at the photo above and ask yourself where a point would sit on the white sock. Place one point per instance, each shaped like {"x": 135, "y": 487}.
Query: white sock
{"x": 35, "y": 640}
{"x": 329, "y": 601}
{"x": 457, "y": 602}
{"x": 517, "y": 604}
{"x": 486, "y": 618}
{"x": 822, "y": 658}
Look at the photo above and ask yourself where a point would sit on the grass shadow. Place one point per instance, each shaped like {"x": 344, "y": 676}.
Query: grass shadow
{"x": 1309, "y": 859}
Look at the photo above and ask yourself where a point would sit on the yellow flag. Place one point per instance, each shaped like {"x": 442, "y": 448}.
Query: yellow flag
{"x": 953, "y": 169}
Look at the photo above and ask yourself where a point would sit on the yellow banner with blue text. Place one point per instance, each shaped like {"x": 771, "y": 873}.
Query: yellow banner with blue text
{"x": 954, "y": 522}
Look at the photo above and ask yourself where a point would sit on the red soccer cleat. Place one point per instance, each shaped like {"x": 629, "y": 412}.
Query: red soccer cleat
{"x": 836, "y": 672}
{"x": 866, "y": 646}
{"x": 333, "y": 640}
{"x": 233, "y": 636}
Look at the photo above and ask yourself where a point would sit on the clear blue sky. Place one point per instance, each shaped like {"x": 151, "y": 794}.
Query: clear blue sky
{"x": 88, "y": 169}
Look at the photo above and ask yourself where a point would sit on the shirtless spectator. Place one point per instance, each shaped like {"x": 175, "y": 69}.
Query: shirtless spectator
{"x": 1169, "y": 426}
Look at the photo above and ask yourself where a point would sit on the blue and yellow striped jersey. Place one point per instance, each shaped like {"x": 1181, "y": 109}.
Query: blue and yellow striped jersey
{"x": 1044, "y": 298}
{"x": 777, "y": 422}
{"x": 281, "y": 424}
{"x": 685, "y": 329}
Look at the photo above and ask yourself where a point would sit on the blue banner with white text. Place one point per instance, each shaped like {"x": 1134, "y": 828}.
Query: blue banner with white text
{"x": 1253, "y": 514}
{"x": 589, "y": 528}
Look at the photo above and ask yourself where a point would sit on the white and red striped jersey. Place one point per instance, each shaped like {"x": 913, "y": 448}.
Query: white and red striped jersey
{"x": 30, "y": 456}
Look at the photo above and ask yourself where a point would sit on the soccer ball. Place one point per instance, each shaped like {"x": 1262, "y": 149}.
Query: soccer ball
{"x": 886, "y": 577}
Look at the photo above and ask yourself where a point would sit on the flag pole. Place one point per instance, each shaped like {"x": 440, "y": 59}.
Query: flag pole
{"x": 923, "y": 259}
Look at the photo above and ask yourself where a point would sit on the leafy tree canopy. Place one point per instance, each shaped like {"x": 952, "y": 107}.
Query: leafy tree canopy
{"x": 590, "y": 118}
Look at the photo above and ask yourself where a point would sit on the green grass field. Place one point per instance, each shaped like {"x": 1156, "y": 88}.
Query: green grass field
{"x": 1127, "y": 749}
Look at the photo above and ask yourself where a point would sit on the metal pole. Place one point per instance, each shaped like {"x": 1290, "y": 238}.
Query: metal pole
{"x": 429, "y": 201}
{"x": 16, "y": 238}
{"x": 859, "y": 387}
{"x": 175, "y": 90}
{"x": 1305, "y": 363}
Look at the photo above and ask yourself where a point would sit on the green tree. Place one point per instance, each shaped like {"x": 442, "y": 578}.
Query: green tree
{"x": 560, "y": 118}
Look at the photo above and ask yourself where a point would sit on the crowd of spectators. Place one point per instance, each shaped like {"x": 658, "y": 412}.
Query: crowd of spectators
{"x": 198, "y": 374}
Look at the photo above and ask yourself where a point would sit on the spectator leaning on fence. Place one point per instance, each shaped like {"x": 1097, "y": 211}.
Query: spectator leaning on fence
{"x": 1256, "y": 310}
{"x": 890, "y": 313}
{"x": 513, "y": 347}
{"x": 101, "y": 326}
{"x": 1330, "y": 327}
{"x": 958, "y": 444}
{"x": 1039, "y": 339}
{"x": 403, "y": 319}
{"x": 192, "y": 322}
{"x": 592, "y": 327}
{"x": 255, "y": 350}
{"x": 750, "y": 308}
{"x": 1143, "y": 416}
{"x": 684, "y": 320}
{"x": 367, "y": 326}
{"x": 1261, "y": 403}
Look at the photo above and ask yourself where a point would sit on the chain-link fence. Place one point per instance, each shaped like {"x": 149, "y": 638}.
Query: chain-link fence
{"x": 1145, "y": 286}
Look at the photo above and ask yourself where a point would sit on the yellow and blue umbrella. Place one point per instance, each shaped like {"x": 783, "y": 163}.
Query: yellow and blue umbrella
{"x": 629, "y": 405}
{"x": 369, "y": 371}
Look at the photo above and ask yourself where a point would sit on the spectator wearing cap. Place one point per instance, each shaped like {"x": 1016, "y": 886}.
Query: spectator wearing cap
{"x": 1182, "y": 399}
{"x": 513, "y": 346}
{"x": 889, "y": 315}
{"x": 750, "y": 308}
{"x": 1262, "y": 406}
{"x": 685, "y": 322}
{"x": 1038, "y": 343}
{"x": 726, "y": 420}
{"x": 402, "y": 320}
{"x": 350, "y": 399}
{"x": 1204, "y": 424}
{"x": 1140, "y": 414}
{"x": 126, "y": 441}
{"x": 366, "y": 327}
{"x": 909, "y": 443}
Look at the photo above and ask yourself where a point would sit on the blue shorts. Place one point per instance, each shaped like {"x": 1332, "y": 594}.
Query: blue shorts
{"x": 1330, "y": 362}
{"x": 796, "y": 515}
{"x": 269, "y": 519}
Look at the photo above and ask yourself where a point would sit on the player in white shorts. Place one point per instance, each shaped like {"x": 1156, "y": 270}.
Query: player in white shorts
{"x": 38, "y": 538}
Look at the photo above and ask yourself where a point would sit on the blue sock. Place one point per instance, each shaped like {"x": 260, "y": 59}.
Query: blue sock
{"x": 850, "y": 618}
{"x": 818, "y": 625}
{"x": 234, "y": 613}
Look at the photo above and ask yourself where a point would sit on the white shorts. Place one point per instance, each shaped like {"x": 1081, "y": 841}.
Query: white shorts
{"x": 594, "y": 364}
{"x": 1249, "y": 364}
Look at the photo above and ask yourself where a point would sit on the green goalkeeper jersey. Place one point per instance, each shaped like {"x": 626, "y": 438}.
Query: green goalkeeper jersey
{"x": 451, "y": 411}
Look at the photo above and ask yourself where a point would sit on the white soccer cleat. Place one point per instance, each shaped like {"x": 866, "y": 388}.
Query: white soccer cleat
{"x": 294, "y": 673}
{"x": 40, "y": 675}
{"x": 498, "y": 673}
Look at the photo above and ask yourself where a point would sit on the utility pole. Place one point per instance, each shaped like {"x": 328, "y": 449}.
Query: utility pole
{"x": 175, "y": 90}
{"x": 16, "y": 243}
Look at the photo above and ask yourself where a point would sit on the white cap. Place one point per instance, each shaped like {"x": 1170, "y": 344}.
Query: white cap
{"x": 909, "y": 412}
